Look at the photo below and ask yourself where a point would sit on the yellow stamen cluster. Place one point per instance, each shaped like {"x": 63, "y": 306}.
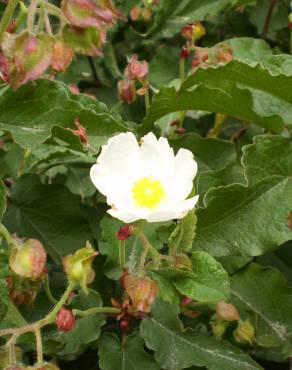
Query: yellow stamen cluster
{"x": 148, "y": 192}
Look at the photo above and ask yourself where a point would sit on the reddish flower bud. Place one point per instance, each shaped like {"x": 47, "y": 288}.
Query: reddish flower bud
{"x": 135, "y": 13}
{"x": 11, "y": 26}
{"x": 204, "y": 56}
{"x": 196, "y": 62}
{"x": 184, "y": 54}
{"x": 29, "y": 56}
{"x": 136, "y": 70}
{"x": 127, "y": 91}
{"x": 74, "y": 89}
{"x": 62, "y": 56}
{"x": 186, "y": 300}
{"x": 4, "y": 68}
{"x": 124, "y": 233}
{"x": 193, "y": 31}
{"x": 28, "y": 260}
{"x": 81, "y": 131}
{"x": 87, "y": 41}
{"x": 141, "y": 290}
{"x": 89, "y": 13}
{"x": 226, "y": 311}
{"x": 65, "y": 320}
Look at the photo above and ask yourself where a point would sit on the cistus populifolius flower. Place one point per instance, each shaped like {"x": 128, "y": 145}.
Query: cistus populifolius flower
{"x": 145, "y": 180}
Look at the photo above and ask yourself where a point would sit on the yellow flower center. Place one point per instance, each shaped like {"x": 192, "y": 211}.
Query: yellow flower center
{"x": 148, "y": 192}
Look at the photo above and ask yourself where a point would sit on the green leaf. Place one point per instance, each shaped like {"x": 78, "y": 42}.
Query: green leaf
{"x": 249, "y": 49}
{"x": 2, "y": 199}
{"x": 181, "y": 239}
{"x": 207, "y": 283}
{"x": 179, "y": 348}
{"x": 250, "y": 220}
{"x": 49, "y": 213}
{"x": 250, "y": 91}
{"x": 262, "y": 291}
{"x": 211, "y": 154}
{"x": 86, "y": 330}
{"x": 113, "y": 355}
{"x": 46, "y": 104}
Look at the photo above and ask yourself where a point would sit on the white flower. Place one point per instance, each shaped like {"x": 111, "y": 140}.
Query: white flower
{"x": 145, "y": 181}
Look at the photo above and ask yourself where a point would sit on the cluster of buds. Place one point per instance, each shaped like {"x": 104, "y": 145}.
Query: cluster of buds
{"x": 144, "y": 11}
{"x": 78, "y": 267}
{"x": 136, "y": 71}
{"x": 225, "y": 314}
{"x": 207, "y": 57}
{"x": 142, "y": 291}
{"x": 83, "y": 26}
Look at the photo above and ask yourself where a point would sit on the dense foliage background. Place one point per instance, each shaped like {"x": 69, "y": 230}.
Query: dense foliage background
{"x": 236, "y": 111}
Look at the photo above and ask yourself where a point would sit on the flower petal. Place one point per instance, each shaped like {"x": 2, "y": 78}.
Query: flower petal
{"x": 175, "y": 211}
{"x": 157, "y": 157}
{"x": 185, "y": 169}
{"x": 124, "y": 216}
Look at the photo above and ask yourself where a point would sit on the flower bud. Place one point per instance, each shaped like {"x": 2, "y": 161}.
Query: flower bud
{"x": 244, "y": 333}
{"x": 4, "y": 68}
{"x": 186, "y": 300}
{"x": 136, "y": 70}
{"x": 223, "y": 54}
{"x": 124, "y": 233}
{"x": 78, "y": 266}
{"x": 146, "y": 14}
{"x": 135, "y": 13}
{"x": 87, "y": 41}
{"x": 184, "y": 54}
{"x": 141, "y": 290}
{"x": 29, "y": 56}
{"x": 65, "y": 320}
{"x": 193, "y": 31}
{"x": 81, "y": 131}
{"x": 218, "y": 328}
{"x": 28, "y": 260}
{"x": 226, "y": 311}
{"x": 90, "y": 13}
{"x": 62, "y": 56}
{"x": 127, "y": 91}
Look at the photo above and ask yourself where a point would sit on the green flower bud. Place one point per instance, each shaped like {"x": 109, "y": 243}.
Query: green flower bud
{"x": 244, "y": 333}
{"x": 218, "y": 328}
{"x": 28, "y": 259}
{"x": 78, "y": 266}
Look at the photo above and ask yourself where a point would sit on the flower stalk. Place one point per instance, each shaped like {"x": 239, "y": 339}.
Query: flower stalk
{"x": 122, "y": 253}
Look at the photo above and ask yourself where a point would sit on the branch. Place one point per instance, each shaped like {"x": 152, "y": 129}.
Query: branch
{"x": 268, "y": 19}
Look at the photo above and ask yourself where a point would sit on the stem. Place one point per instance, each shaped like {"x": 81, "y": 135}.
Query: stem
{"x": 50, "y": 318}
{"x": 148, "y": 248}
{"x": 97, "y": 310}
{"x": 268, "y": 19}
{"x": 182, "y": 69}
{"x": 93, "y": 70}
{"x": 122, "y": 253}
{"x": 147, "y": 100}
{"x": 21, "y": 16}
{"x": 219, "y": 120}
{"x": 8, "y": 14}
{"x": 291, "y": 41}
{"x": 48, "y": 290}
{"x": 31, "y": 14}
{"x": 6, "y": 234}
{"x": 39, "y": 345}
{"x": 26, "y": 154}
{"x": 143, "y": 258}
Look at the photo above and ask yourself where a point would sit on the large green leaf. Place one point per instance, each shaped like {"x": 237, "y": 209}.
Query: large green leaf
{"x": 45, "y": 104}
{"x": 249, "y": 91}
{"x": 208, "y": 282}
{"x": 262, "y": 291}
{"x": 211, "y": 154}
{"x": 129, "y": 355}
{"x": 49, "y": 213}
{"x": 250, "y": 220}
{"x": 179, "y": 348}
